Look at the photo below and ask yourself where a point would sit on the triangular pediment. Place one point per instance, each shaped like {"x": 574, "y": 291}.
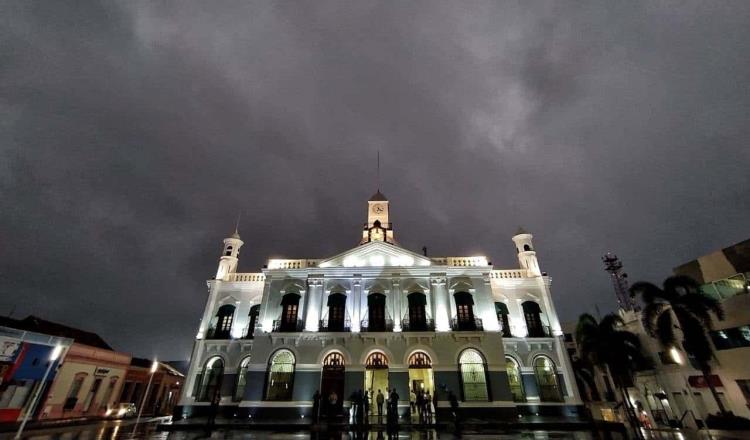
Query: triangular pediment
{"x": 376, "y": 253}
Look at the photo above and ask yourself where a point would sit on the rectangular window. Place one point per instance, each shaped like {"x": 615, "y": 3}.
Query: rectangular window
{"x": 729, "y": 338}
{"x": 744, "y": 385}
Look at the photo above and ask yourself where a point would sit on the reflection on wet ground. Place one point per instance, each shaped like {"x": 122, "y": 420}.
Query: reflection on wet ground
{"x": 122, "y": 431}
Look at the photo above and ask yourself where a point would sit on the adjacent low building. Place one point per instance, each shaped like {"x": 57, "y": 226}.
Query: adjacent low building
{"x": 89, "y": 378}
{"x": 673, "y": 391}
{"x": 163, "y": 391}
{"x": 25, "y": 359}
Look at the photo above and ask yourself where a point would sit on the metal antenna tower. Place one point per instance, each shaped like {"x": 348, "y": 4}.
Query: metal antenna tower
{"x": 613, "y": 265}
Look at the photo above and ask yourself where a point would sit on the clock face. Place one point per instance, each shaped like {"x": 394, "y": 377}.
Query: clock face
{"x": 378, "y": 209}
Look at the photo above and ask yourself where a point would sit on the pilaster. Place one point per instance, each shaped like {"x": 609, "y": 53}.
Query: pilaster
{"x": 441, "y": 305}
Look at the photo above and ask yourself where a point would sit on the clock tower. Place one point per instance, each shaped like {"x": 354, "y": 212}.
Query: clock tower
{"x": 378, "y": 227}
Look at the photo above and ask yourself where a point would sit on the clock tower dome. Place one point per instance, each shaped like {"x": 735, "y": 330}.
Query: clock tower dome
{"x": 378, "y": 226}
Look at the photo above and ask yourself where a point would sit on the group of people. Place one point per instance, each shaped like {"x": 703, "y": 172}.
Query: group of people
{"x": 421, "y": 404}
{"x": 362, "y": 404}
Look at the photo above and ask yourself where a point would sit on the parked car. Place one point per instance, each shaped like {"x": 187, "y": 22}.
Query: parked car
{"x": 121, "y": 411}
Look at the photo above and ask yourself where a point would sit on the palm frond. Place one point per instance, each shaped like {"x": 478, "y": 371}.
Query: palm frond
{"x": 649, "y": 292}
{"x": 681, "y": 284}
{"x": 587, "y": 325}
{"x": 665, "y": 330}
{"x": 610, "y": 322}
{"x": 650, "y": 313}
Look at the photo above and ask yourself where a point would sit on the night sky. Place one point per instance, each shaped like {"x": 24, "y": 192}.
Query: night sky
{"x": 133, "y": 133}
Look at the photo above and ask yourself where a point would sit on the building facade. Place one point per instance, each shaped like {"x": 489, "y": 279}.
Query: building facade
{"x": 163, "y": 391}
{"x": 89, "y": 376}
{"x": 675, "y": 387}
{"x": 25, "y": 359}
{"x": 379, "y": 317}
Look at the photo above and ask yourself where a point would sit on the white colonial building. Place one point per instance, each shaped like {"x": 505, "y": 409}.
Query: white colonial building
{"x": 379, "y": 317}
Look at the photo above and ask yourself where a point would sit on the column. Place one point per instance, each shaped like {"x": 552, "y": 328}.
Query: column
{"x": 441, "y": 304}
{"x": 396, "y": 295}
{"x": 209, "y": 310}
{"x": 356, "y": 303}
{"x": 314, "y": 300}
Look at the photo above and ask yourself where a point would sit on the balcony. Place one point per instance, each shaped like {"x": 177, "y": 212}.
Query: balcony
{"x": 539, "y": 331}
{"x": 427, "y": 325}
{"x": 467, "y": 325}
{"x": 382, "y": 326}
{"x": 288, "y": 327}
{"x": 214, "y": 333}
{"x": 327, "y": 325}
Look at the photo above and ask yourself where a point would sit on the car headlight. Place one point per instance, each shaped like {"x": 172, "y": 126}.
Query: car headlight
{"x": 108, "y": 412}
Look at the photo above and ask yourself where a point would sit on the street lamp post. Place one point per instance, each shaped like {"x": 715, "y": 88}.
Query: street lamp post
{"x": 54, "y": 355}
{"x": 154, "y": 366}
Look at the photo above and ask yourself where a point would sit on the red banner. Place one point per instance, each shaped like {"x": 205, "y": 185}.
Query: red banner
{"x": 700, "y": 381}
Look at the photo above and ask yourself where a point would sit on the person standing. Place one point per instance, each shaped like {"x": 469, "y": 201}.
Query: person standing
{"x": 333, "y": 401}
{"x": 454, "y": 404}
{"x": 428, "y": 407}
{"x": 367, "y": 406}
{"x": 412, "y": 401}
{"x": 316, "y": 407}
{"x": 379, "y": 400}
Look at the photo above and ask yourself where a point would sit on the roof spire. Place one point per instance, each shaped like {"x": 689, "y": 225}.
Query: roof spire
{"x": 237, "y": 226}
{"x": 378, "y": 170}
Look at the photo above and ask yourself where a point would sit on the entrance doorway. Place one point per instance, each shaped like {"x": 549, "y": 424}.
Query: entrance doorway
{"x": 420, "y": 373}
{"x": 376, "y": 379}
{"x": 422, "y": 384}
{"x": 332, "y": 384}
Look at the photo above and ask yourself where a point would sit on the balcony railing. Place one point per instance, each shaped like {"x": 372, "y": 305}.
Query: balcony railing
{"x": 541, "y": 331}
{"x": 327, "y": 325}
{"x": 214, "y": 333}
{"x": 467, "y": 324}
{"x": 427, "y": 325}
{"x": 385, "y": 325}
{"x": 282, "y": 326}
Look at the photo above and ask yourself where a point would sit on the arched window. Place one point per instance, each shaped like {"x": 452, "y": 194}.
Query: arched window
{"x": 532, "y": 315}
{"x": 526, "y": 247}
{"x": 376, "y": 360}
{"x": 75, "y": 389}
{"x": 502, "y": 316}
{"x": 514, "y": 379}
{"x": 376, "y": 320}
{"x": 546, "y": 379}
{"x": 417, "y": 313}
{"x": 334, "y": 359}
{"x": 473, "y": 376}
{"x": 420, "y": 360}
{"x": 209, "y": 380}
{"x": 281, "y": 376}
{"x": 239, "y": 390}
{"x": 464, "y": 319}
{"x": 336, "y": 313}
{"x": 289, "y": 313}
{"x": 253, "y": 315}
{"x": 224, "y": 319}
{"x": 229, "y": 251}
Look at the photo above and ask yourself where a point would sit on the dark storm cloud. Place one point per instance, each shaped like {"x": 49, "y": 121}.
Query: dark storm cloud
{"x": 131, "y": 135}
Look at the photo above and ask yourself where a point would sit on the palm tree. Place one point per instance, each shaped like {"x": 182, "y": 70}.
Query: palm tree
{"x": 605, "y": 344}
{"x": 681, "y": 305}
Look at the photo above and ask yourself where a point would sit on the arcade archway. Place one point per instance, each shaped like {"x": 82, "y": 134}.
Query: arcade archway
{"x": 420, "y": 373}
{"x": 376, "y": 378}
{"x": 332, "y": 383}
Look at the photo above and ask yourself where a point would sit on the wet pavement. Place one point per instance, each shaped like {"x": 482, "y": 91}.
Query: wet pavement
{"x": 124, "y": 430}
